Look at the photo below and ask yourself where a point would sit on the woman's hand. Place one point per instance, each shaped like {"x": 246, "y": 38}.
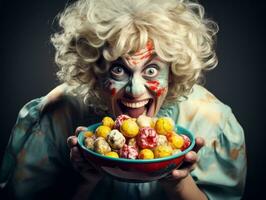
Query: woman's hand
{"x": 180, "y": 184}
{"x": 190, "y": 161}
{"x": 86, "y": 169}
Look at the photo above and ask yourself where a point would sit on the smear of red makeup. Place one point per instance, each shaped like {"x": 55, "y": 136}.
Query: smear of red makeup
{"x": 142, "y": 54}
{"x": 160, "y": 91}
{"x": 149, "y": 45}
{"x": 113, "y": 91}
{"x": 153, "y": 83}
{"x": 154, "y": 86}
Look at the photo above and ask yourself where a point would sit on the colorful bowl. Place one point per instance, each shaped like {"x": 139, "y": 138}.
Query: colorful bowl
{"x": 136, "y": 170}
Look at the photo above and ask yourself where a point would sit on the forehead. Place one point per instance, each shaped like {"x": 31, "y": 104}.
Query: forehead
{"x": 141, "y": 56}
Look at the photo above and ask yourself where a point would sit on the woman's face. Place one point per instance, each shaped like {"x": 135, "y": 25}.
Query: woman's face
{"x": 137, "y": 85}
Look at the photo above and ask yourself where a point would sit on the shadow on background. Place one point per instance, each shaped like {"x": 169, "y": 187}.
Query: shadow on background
{"x": 28, "y": 69}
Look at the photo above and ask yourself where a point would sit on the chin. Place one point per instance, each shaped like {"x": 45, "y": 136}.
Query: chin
{"x": 135, "y": 108}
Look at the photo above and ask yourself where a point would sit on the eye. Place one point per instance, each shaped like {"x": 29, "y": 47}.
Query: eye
{"x": 117, "y": 70}
{"x": 151, "y": 72}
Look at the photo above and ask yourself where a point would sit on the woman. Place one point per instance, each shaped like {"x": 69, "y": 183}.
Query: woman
{"x": 136, "y": 58}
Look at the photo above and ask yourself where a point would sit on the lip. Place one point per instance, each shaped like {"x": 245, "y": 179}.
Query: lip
{"x": 150, "y": 105}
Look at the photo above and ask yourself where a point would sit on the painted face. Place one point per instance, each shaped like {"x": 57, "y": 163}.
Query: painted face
{"x": 137, "y": 85}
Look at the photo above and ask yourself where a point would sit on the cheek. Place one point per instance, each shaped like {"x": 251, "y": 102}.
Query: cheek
{"x": 156, "y": 87}
{"x": 112, "y": 87}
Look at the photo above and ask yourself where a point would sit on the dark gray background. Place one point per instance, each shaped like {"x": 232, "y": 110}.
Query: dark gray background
{"x": 28, "y": 70}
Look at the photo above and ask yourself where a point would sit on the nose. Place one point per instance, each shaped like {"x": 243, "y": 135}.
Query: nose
{"x": 135, "y": 88}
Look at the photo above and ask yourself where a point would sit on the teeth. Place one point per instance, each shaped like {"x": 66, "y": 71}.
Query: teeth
{"x": 135, "y": 105}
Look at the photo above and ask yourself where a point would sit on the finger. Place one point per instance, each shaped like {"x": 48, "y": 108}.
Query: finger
{"x": 199, "y": 143}
{"x": 179, "y": 174}
{"x": 191, "y": 157}
{"x": 79, "y": 129}
{"x": 75, "y": 155}
{"x": 72, "y": 141}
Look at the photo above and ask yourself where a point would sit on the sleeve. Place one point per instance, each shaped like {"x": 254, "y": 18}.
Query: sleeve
{"x": 221, "y": 170}
{"x": 35, "y": 163}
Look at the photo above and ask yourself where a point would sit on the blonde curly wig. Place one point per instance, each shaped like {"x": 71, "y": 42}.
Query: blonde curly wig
{"x": 93, "y": 30}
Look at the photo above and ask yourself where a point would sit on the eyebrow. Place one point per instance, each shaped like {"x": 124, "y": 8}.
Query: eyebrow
{"x": 121, "y": 61}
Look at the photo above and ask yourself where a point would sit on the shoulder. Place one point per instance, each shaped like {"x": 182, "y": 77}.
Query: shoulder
{"x": 203, "y": 110}
{"x": 60, "y": 102}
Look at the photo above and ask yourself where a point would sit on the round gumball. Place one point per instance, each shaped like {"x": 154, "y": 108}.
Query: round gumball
{"x": 146, "y": 154}
{"x": 176, "y": 141}
{"x": 129, "y": 128}
{"x": 162, "y": 151}
{"x": 108, "y": 121}
{"x": 102, "y": 131}
{"x": 88, "y": 134}
{"x": 112, "y": 154}
{"x": 164, "y": 125}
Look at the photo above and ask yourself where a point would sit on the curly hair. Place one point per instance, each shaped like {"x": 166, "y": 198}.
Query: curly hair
{"x": 107, "y": 29}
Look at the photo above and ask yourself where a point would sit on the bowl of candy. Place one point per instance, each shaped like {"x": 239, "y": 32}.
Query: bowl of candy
{"x": 136, "y": 150}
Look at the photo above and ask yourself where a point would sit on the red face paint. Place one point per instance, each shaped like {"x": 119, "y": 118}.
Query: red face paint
{"x": 142, "y": 54}
{"x": 154, "y": 86}
{"x": 113, "y": 91}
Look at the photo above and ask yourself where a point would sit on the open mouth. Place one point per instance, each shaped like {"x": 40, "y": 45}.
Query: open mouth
{"x": 136, "y": 108}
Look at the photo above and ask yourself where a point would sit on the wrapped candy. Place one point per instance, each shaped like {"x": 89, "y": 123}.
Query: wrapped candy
{"x": 116, "y": 139}
{"x": 147, "y": 138}
{"x": 101, "y": 146}
{"x": 129, "y": 152}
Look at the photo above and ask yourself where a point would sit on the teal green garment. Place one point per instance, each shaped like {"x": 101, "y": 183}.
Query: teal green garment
{"x": 36, "y": 163}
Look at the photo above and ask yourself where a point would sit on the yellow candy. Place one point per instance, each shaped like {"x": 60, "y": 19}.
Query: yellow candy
{"x": 164, "y": 125}
{"x": 112, "y": 154}
{"x": 88, "y": 134}
{"x": 162, "y": 151}
{"x": 146, "y": 154}
{"x": 108, "y": 121}
{"x": 103, "y": 131}
{"x": 176, "y": 141}
{"x": 129, "y": 128}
